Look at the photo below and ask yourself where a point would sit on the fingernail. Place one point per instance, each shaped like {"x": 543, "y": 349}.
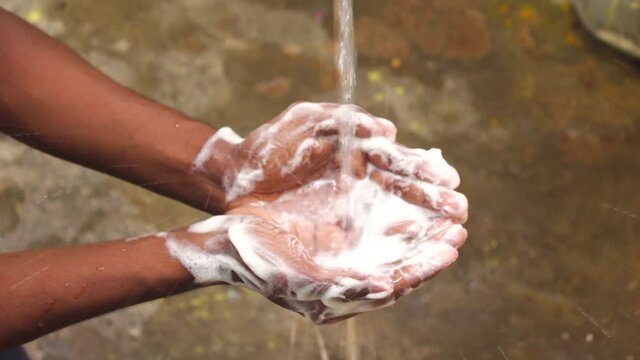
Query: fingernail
{"x": 379, "y": 290}
{"x": 454, "y": 236}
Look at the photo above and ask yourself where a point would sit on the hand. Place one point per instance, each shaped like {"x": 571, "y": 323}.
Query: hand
{"x": 283, "y": 153}
{"x": 301, "y": 248}
{"x": 255, "y": 253}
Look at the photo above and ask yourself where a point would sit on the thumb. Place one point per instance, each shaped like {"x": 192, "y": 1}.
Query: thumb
{"x": 310, "y": 156}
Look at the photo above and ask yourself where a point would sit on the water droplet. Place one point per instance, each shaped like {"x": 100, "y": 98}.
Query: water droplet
{"x": 100, "y": 268}
{"x": 588, "y": 338}
{"x": 80, "y": 292}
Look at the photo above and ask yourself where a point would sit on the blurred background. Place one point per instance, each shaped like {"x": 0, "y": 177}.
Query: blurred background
{"x": 540, "y": 117}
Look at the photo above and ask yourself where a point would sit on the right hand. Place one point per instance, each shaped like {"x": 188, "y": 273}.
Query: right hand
{"x": 253, "y": 251}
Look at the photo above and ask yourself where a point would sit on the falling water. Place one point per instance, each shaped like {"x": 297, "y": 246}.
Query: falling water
{"x": 346, "y": 54}
{"x": 346, "y": 65}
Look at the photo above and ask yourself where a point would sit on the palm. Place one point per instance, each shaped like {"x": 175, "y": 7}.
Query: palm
{"x": 309, "y": 228}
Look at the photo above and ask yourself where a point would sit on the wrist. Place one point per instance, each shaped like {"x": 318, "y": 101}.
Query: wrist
{"x": 156, "y": 269}
{"x": 205, "y": 250}
{"x": 170, "y": 144}
{"x": 218, "y": 159}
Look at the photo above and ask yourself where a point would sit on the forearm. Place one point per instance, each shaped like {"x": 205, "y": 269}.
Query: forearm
{"x": 53, "y": 100}
{"x": 44, "y": 290}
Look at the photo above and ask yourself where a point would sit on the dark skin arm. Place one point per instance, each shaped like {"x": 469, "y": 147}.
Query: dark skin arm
{"x": 76, "y": 283}
{"x": 53, "y": 100}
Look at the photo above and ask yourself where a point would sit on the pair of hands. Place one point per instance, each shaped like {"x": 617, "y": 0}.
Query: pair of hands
{"x": 277, "y": 230}
{"x": 286, "y": 202}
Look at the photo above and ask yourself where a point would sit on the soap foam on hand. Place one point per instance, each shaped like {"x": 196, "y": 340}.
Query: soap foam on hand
{"x": 342, "y": 245}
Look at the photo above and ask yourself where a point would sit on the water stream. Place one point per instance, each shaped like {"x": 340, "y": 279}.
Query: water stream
{"x": 346, "y": 54}
{"x": 346, "y": 64}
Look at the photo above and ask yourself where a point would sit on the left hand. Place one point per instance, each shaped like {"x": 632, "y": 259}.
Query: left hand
{"x": 283, "y": 153}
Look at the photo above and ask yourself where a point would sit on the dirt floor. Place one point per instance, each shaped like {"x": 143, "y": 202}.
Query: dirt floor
{"x": 541, "y": 120}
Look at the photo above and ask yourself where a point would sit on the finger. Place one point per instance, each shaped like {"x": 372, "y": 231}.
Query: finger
{"x": 428, "y": 262}
{"x": 455, "y": 236}
{"x": 298, "y": 120}
{"x": 368, "y": 289}
{"x": 441, "y": 229}
{"x": 309, "y": 156}
{"x": 444, "y": 201}
{"x": 322, "y": 314}
{"x": 409, "y": 229}
{"x": 350, "y": 120}
{"x": 342, "y": 311}
{"x": 343, "y": 294}
{"x": 424, "y": 165}
{"x": 365, "y": 124}
{"x": 368, "y": 125}
{"x": 337, "y": 311}
{"x": 291, "y": 118}
{"x": 342, "y": 284}
{"x": 414, "y": 231}
{"x": 301, "y": 112}
{"x": 444, "y": 231}
{"x": 338, "y": 286}
{"x": 291, "y": 127}
{"x": 326, "y": 128}
{"x": 356, "y": 166}
{"x": 358, "y": 297}
{"x": 416, "y": 228}
{"x": 332, "y": 128}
